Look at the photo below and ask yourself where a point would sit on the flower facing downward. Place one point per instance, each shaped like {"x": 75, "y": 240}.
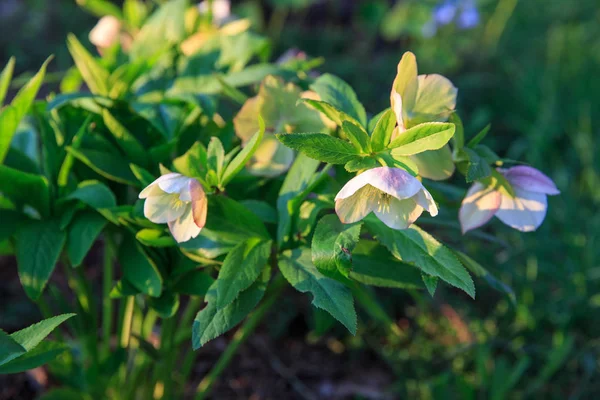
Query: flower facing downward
{"x": 525, "y": 211}
{"x": 395, "y": 196}
{"x": 178, "y": 201}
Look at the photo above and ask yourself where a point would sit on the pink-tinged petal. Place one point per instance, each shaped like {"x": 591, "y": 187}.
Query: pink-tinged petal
{"x": 398, "y": 214}
{"x": 184, "y": 228}
{"x": 106, "y": 32}
{"x": 524, "y": 212}
{"x": 164, "y": 208}
{"x": 530, "y": 179}
{"x": 357, "y": 206}
{"x": 397, "y": 107}
{"x": 394, "y": 181}
{"x": 479, "y": 206}
{"x": 151, "y": 188}
{"x": 425, "y": 200}
{"x": 199, "y": 203}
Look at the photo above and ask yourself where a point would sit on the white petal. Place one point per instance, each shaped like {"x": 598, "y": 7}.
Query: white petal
{"x": 163, "y": 208}
{"x": 106, "y": 32}
{"x": 357, "y": 206}
{"x": 394, "y": 181}
{"x": 425, "y": 200}
{"x": 530, "y": 179}
{"x": 524, "y": 212}
{"x": 184, "y": 228}
{"x": 397, "y": 107}
{"x": 199, "y": 203}
{"x": 436, "y": 96}
{"x": 176, "y": 184}
{"x": 436, "y": 165}
{"x": 398, "y": 214}
{"x": 479, "y": 206}
{"x": 151, "y": 188}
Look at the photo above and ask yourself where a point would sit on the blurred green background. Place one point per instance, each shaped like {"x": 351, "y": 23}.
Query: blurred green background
{"x": 531, "y": 68}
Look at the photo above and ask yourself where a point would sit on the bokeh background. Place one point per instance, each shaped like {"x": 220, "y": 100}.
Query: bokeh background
{"x": 531, "y": 68}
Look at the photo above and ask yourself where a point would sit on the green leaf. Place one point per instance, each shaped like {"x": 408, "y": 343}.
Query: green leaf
{"x": 357, "y": 135}
{"x": 328, "y": 294}
{"x": 125, "y": 140}
{"x": 40, "y": 355}
{"x": 413, "y": 245}
{"x": 83, "y": 232}
{"x": 109, "y": 165}
{"x": 64, "y": 394}
{"x": 241, "y": 268}
{"x": 320, "y": 146}
{"x": 139, "y": 269}
{"x": 361, "y": 163}
{"x": 479, "y": 271}
{"x": 337, "y": 116}
{"x": 11, "y": 221}
{"x": 123, "y": 289}
{"x": 166, "y": 305}
{"x": 434, "y": 164}
{"x": 212, "y": 322}
{"x": 476, "y": 167}
{"x": 193, "y": 162}
{"x": 100, "y": 8}
{"x": 215, "y": 156}
{"x": 11, "y": 116}
{"x": 5, "y": 77}
{"x": 240, "y": 160}
{"x": 458, "y": 140}
{"x": 94, "y": 74}
{"x": 372, "y": 264}
{"x": 423, "y": 137}
{"x": 155, "y": 238}
{"x": 332, "y": 245}
{"x": 430, "y": 283}
{"x": 39, "y": 244}
{"x": 262, "y": 209}
{"x": 9, "y": 348}
{"x": 382, "y": 133}
{"x": 339, "y": 94}
{"x": 479, "y": 137}
{"x": 31, "y": 336}
{"x": 24, "y": 188}
{"x": 95, "y": 194}
{"x": 487, "y": 154}
{"x": 194, "y": 283}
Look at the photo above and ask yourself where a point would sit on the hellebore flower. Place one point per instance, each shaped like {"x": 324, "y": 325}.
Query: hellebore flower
{"x": 396, "y": 197}
{"x": 106, "y": 32}
{"x": 178, "y": 201}
{"x": 525, "y": 211}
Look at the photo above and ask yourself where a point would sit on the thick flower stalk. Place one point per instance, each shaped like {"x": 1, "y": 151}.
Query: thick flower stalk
{"x": 396, "y": 197}
{"x": 178, "y": 201}
{"x": 525, "y": 211}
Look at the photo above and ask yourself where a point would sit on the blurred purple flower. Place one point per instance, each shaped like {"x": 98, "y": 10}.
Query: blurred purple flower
{"x": 464, "y": 12}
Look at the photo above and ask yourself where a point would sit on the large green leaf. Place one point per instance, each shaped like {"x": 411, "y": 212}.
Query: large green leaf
{"x": 108, "y": 165}
{"x": 332, "y": 245}
{"x": 240, "y": 269}
{"x": 212, "y": 322}
{"x": 125, "y": 140}
{"x": 193, "y": 162}
{"x": 94, "y": 74}
{"x": 413, "y": 245}
{"x": 373, "y": 265}
{"x": 83, "y": 232}
{"x": 321, "y": 146}
{"x": 328, "y": 294}
{"x": 139, "y": 269}
{"x": 24, "y": 188}
{"x": 383, "y": 130}
{"x": 423, "y": 137}
{"x": 339, "y": 94}
{"x": 95, "y": 194}
{"x": 40, "y": 355}
{"x": 39, "y": 244}
{"x": 358, "y": 136}
{"x": 9, "y": 348}
{"x": 193, "y": 283}
{"x": 155, "y": 238}
{"x": 242, "y": 158}
{"x": 337, "y": 116}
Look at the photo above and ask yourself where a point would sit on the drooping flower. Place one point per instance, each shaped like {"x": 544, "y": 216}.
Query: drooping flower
{"x": 423, "y": 98}
{"x": 525, "y": 211}
{"x": 178, "y": 201}
{"x": 106, "y": 32}
{"x": 396, "y": 197}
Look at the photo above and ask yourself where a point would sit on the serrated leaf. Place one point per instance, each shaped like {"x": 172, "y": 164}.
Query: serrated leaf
{"x": 139, "y": 269}
{"x": 430, "y": 283}
{"x": 337, "y": 116}
{"x": 320, "y": 146}
{"x": 423, "y": 137}
{"x": 241, "y": 268}
{"x": 328, "y": 294}
{"x": 244, "y": 156}
{"x": 94, "y": 74}
{"x": 413, "y": 245}
{"x": 383, "y": 130}
{"x": 39, "y": 244}
{"x": 212, "y": 322}
{"x": 83, "y": 232}
{"x": 95, "y": 194}
{"x": 40, "y": 355}
{"x": 477, "y": 168}
{"x": 357, "y": 135}
{"x": 339, "y": 94}
{"x": 31, "y": 336}
{"x": 332, "y": 245}
{"x": 9, "y": 348}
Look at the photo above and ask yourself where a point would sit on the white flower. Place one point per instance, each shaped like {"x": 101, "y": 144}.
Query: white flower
{"x": 178, "y": 201}
{"x": 396, "y": 197}
{"x": 106, "y": 32}
{"x": 221, "y": 10}
{"x": 525, "y": 211}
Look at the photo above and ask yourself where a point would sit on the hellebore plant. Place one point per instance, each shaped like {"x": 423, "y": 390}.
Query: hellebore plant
{"x": 265, "y": 177}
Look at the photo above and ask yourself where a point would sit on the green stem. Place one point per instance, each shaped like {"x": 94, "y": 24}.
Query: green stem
{"x": 127, "y": 319}
{"x": 369, "y": 303}
{"x": 205, "y": 386}
{"x": 107, "y": 283}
